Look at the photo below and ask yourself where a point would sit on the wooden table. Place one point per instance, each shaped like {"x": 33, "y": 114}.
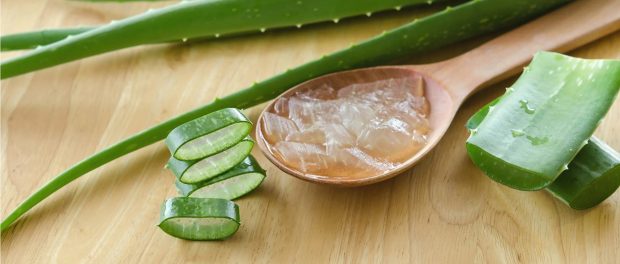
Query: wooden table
{"x": 443, "y": 210}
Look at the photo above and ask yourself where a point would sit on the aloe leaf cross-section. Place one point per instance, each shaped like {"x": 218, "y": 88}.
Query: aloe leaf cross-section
{"x": 195, "y": 171}
{"x": 199, "y": 218}
{"x": 232, "y": 184}
{"x": 529, "y": 137}
{"x": 208, "y": 135}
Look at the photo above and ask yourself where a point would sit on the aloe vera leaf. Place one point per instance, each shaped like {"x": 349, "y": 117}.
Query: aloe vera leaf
{"x": 531, "y": 135}
{"x": 592, "y": 176}
{"x": 124, "y": 1}
{"x": 209, "y": 134}
{"x": 39, "y": 38}
{"x": 199, "y": 218}
{"x": 201, "y": 170}
{"x": 191, "y": 19}
{"x": 386, "y": 47}
{"x": 34, "y": 39}
{"x": 234, "y": 183}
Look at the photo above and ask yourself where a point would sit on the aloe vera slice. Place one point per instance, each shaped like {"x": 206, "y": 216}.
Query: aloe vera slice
{"x": 234, "y": 183}
{"x": 531, "y": 135}
{"x": 592, "y": 176}
{"x": 209, "y": 134}
{"x": 199, "y": 218}
{"x": 201, "y": 170}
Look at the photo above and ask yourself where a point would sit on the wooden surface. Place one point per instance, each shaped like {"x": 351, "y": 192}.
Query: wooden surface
{"x": 443, "y": 210}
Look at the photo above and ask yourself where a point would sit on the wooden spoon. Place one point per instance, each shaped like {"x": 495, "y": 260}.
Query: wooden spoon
{"x": 450, "y": 82}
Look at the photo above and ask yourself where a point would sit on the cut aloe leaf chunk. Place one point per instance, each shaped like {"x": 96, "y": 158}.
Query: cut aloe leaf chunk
{"x": 236, "y": 182}
{"x": 199, "y": 218}
{"x": 201, "y": 170}
{"x": 529, "y": 137}
{"x": 592, "y": 176}
{"x": 209, "y": 134}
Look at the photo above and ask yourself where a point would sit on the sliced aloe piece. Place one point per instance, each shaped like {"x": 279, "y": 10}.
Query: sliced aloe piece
{"x": 236, "y": 182}
{"x": 209, "y": 134}
{"x": 531, "y": 135}
{"x": 199, "y": 218}
{"x": 201, "y": 170}
{"x": 592, "y": 176}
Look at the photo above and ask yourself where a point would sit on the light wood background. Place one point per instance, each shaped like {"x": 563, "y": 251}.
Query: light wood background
{"x": 443, "y": 210}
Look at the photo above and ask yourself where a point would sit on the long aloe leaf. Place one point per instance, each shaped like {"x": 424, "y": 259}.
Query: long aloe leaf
{"x": 192, "y": 19}
{"x": 39, "y": 38}
{"x": 530, "y": 136}
{"x": 123, "y": 1}
{"x": 592, "y": 176}
{"x": 417, "y": 37}
{"x": 34, "y": 39}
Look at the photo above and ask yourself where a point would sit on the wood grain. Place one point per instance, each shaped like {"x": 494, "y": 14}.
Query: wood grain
{"x": 443, "y": 210}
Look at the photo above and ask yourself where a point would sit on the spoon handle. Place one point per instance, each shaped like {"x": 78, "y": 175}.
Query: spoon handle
{"x": 562, "y": 30}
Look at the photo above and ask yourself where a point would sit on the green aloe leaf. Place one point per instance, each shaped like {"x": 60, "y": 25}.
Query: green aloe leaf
{"x": 34, "y": 39}
{"x": 188, "y": 20}
{"x": 528, "y": 138}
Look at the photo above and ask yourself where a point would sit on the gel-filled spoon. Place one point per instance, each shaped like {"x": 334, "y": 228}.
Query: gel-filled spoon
{"x": 448, "y": 83}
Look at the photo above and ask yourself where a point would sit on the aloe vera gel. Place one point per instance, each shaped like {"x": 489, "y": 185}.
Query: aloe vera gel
{"x": 355, "y": 131}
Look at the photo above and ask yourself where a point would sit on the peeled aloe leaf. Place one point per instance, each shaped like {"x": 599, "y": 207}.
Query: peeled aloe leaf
{"x": 592, "y": 176}
{"x": 529, "y": 137}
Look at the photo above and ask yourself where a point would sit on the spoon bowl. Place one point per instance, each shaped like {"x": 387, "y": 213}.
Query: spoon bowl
{"x": 442, "y": 111}
{"x": 448, "y": 83}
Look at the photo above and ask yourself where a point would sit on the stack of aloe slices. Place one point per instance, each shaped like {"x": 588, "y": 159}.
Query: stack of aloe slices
{"x": 539, "y": 134}
{"x": 212, "y": 164}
